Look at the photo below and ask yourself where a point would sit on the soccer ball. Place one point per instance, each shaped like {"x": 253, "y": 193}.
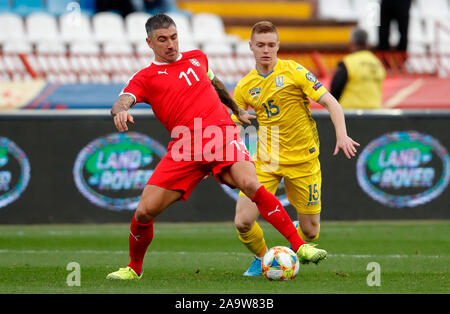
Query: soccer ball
{"x": 280, "y": 263}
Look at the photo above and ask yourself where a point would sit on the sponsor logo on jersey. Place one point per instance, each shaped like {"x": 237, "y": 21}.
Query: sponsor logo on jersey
{"x": 317, "y": 86}
{"x": 195, "y": 62}
{"x": 311, "y": 77}
{"x": 111, "y": 171}
{"x": 14, "y": 171}
{"x": 403, "y": 169}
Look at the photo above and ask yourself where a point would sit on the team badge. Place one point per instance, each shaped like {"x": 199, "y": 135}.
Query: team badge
{"x": 195, "y": 62}
{"x": 279, "y": 81}
{"x": 254, "y": 92}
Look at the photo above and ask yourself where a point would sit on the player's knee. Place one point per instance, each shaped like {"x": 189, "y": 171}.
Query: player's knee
{"x": 310, "y": 232}
{"x": 249, "y": 186}
{"x": 242, "y": 226}
{"x": 145, "y": 214}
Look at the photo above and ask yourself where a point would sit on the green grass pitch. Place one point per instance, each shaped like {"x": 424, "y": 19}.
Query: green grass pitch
{"x": 207, "y": 258}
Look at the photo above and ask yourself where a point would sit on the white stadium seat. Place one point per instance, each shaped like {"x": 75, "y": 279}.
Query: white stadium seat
{"x": 17, "y": 47}
{"x": 11, "y": 60}
{"x": 340, "y": 10}
{"x": 433, "y": 8}
{"x": 12, "y": 27}
{"x": 244, "y": 57}
{"x": 41, "y": 27}
{"x": 208, "y": 27}
{"x": 184, "y": 30}
{"x": 119, "y": 60}
{"x": 135, "y": 26}
{"x": 75, "y": 28}
{"x": 220, "y": 56}
{"x": 108, "y": 26}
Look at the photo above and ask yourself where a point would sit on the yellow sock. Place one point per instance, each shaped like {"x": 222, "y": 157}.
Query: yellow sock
{"x": 305, "y": 238}
{"x": 254, "y": 240}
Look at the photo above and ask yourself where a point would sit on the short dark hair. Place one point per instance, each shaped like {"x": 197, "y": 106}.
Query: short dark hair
{"x": 264, "y": 27}
{"x": 359, "y": 37}
{"x": 158, "y": 21}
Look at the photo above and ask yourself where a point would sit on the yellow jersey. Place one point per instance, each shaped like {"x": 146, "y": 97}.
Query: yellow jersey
{"x": 287, "y": 133}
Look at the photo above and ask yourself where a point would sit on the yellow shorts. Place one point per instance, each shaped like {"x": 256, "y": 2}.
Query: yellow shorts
{"x": 302, "y": 184}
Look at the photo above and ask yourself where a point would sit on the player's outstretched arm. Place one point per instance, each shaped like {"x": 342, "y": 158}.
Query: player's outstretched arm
{"x": 226, "y": 99}
{"x": 343, "y": 141}
{"x": 120, "y": 113}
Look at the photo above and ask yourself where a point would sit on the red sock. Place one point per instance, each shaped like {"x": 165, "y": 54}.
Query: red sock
{"x": 272, "y": 211}
{"x": 141, "y": 234}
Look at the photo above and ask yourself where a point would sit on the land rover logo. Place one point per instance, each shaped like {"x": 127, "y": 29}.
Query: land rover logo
{"x": 111, "y": 171}
{"x": 403, "y": 169}
{"x": 14, "y": 171}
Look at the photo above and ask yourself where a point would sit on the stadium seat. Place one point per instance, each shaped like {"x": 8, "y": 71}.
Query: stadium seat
{"x": 187, "y": 46}
{"x": 184, "y": 29}
{"x": 11, "y": 59}
{"x": 220, "y": 56}
{"x": 75, "y": 28}
{"x": 26, "y": 7}
{"x": 209, "y": 27}
{"x": 434, "y": 8}
{"x": 86, "y": 62}
{"x": 217, "y": 48}
{"x": 84, "y": 47}
{"x": 50, "y": 47}
{"x": 416, "y": 30}
{"x": 115, "y": 47}
{"x": 17, "y": 47}
{"x": 364, "y": 8}
{"x": 119, "y": 60}
{"x": 12, "y": 27}
{"x": 371, "y": 24}
{"x": 244, "y": 57}
{"x": 108, "y": 26}
{"x": 339, "y": 10}
{"x": 46, "y": 61}
{"x": 41, "y": 26}
{"x": 144, "y": 55}
{"x": 135, "y": 26}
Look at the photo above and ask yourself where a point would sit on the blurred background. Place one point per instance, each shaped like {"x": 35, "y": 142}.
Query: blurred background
{"x": 63, "y": 64}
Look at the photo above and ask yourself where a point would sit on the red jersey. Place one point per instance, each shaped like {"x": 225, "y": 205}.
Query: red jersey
{"x": 179, "y": 92}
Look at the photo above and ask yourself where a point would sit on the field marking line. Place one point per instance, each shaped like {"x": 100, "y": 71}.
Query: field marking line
{"x": 403, "y": 93}
{"x": 7, "y": 251}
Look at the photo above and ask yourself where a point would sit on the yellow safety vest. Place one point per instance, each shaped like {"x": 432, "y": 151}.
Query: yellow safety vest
{"x": 365, "y": 81}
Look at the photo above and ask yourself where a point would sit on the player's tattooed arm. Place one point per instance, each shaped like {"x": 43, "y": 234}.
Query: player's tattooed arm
{"x": 226, "y": 99}
{"x": 224, "y": 95}
{"x": 123, "y": 103}
{"x": 120, "y": 113}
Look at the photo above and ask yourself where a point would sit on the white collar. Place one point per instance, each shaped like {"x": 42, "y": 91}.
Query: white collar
{"x": 163, "y": 63}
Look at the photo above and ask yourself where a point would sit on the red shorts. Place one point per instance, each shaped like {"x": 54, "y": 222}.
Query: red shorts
{"x": 189, "y": 159}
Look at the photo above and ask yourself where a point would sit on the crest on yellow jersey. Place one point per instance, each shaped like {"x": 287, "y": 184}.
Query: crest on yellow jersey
{"x": 254, "y": 92}
{"x": 279, "y": 81}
